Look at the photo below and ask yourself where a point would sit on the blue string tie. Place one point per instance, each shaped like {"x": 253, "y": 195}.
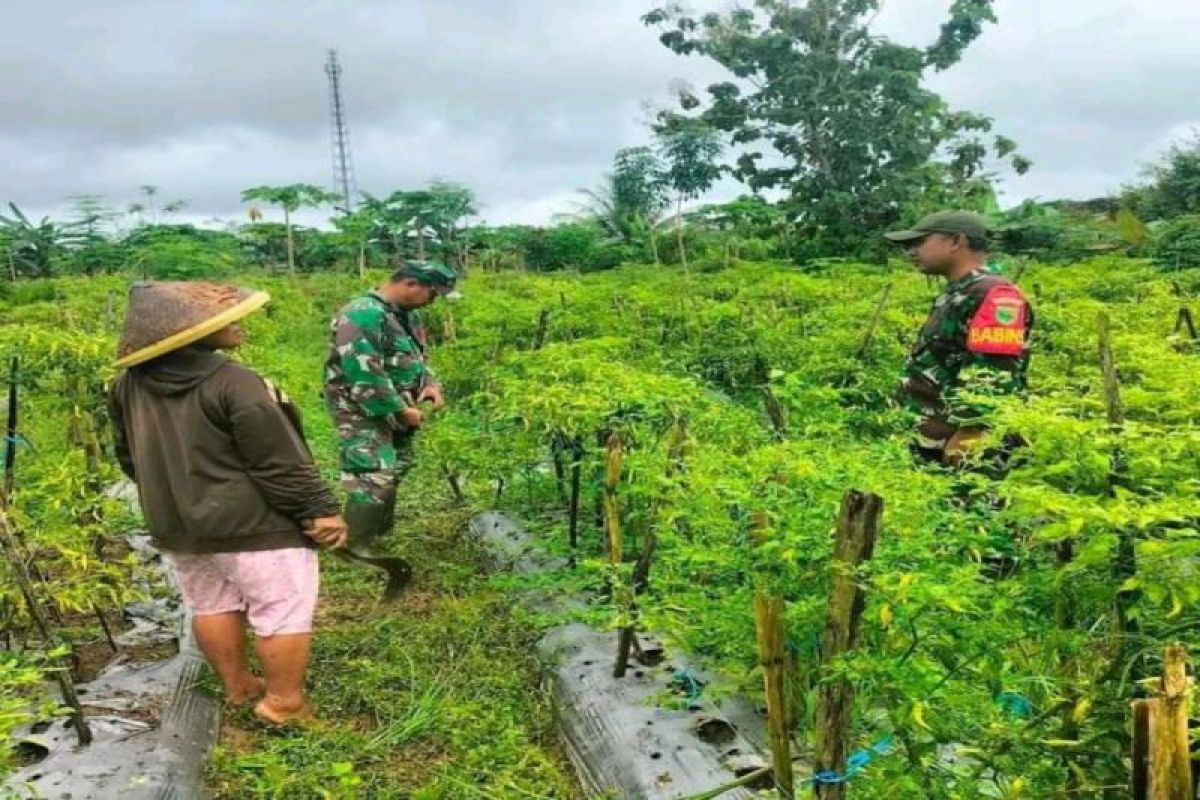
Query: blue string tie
{"x": 855, "y": 763}
{"x": 683, "y": 680}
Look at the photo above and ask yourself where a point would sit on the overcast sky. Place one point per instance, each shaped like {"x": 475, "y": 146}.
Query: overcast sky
{"x": 523, "y": 100}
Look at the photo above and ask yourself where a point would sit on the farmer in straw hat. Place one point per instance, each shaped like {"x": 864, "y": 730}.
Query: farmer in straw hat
{"x": 227, "y": 486}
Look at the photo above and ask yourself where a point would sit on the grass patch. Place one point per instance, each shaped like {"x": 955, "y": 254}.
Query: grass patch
{"x": 433, "y": 697}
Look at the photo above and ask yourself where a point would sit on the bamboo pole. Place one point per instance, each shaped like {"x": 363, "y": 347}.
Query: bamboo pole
{"x": 768, "y": 619}
{"x": 622, "y": 593}
{"x": 10, "y": 431}
{"x": 543, "y": 326}
{"x": 857, "y": 530}
{"x": 1185, "y": 321}
{"x": 775, "y": 413}
{"x": 1170, "y": 760}
{"x": 573, "y": 506}
{"x": 1143, "y": 721}
{"x": 1125, "y": 563}
{"x": 875, "y": 317}
{"x": 640, "y": 581}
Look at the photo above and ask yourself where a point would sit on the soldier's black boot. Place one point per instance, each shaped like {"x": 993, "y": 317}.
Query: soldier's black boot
{"x": 367, "y": 524}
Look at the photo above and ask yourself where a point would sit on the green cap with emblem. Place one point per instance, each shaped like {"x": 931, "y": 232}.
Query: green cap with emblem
{"x": 431, "y": 273}
{"x": 954, "y": 223}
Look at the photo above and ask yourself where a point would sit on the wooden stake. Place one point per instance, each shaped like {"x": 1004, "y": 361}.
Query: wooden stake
{"x": 775, "y": 413}
{"x": 1125, "y": 563}
{"x": 622, "y": 594}
{"x": 10, "y": 432}
{"x": 1185, "y": 321}
{"x": 875, "y": 317}
{"x": 768, "y": 618}
{"x": 1170, "y": 760}
{"x": 640, "y": 581}
{"x": 612, "y": 517}
{"x": 1143, "y": 721}
{"x": 543, "y": 325}
{"x": 1108, "y": 366}
{"x": 573, "y": 506}
{"x": 857, "y": 529}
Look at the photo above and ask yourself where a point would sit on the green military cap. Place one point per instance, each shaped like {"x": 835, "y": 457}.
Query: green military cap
{"x": 955, "y": 223}
{"x": 430, "y": 273}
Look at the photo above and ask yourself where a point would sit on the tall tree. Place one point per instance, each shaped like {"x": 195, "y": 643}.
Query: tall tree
{"x": 835, "y": 115}
{"x": 689, "y": 149}
{"x": 357, "y": 228}
{"x": 629, "y": 204}
{"x": 291, "y": 198}
{"x": 449, "y": 206}
{"x": 1174, "y": 184}
{"x": 435, "y": 214}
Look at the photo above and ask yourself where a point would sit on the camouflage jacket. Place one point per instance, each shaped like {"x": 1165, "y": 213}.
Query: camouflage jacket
{"x": 974, "y": 342}
{"x": 376, "y": 357}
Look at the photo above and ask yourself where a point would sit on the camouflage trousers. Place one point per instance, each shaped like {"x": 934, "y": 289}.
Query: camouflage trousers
{"x": 373, "y": 463}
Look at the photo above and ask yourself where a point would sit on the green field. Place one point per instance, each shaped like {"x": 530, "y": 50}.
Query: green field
{"x": 1030, "y": 676}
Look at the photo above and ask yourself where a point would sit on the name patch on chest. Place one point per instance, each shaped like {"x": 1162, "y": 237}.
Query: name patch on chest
{"x": 998, "y": 327}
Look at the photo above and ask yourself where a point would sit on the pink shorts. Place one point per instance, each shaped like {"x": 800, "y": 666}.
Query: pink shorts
{"x": 276, "y": 588}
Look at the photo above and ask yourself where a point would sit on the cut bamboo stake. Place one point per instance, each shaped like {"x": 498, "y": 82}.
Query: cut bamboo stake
{"x": 1143, "y": 716}
{"x": 1185, "y": 321}
{"x": 768, "y": 618}
{"x": 1125, "y": 562}
{"x": 640, "y": 581}
{"x": 857, "y": 529}
{"x": 622, "y": 593}
{"x": 10, "y": 431}
{"x": 875, "y": 317}
{"x": 543, "y": 325}
{"x": 775, "y": 413}
{"x": 1170, "y": 760}
{"x": 573, "y": 507}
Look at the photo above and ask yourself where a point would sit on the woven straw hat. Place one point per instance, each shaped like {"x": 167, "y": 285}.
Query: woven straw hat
{"x": 165, "y": 316}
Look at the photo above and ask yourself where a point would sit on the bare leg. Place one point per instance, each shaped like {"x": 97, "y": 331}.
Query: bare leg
{"x": 222, "y": 639}
{"x": 285, "y": 660}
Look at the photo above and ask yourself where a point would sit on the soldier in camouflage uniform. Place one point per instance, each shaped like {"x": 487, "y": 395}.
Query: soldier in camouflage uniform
{"x": 376, "y": 378}
{"x": 974, "y": 342}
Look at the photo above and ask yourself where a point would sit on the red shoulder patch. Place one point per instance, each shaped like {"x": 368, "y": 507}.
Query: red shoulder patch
{"x": 998, "y": 327}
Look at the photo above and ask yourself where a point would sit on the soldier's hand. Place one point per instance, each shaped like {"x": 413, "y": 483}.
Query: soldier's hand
{"x": 328, "y": 531}
{"x": 432, "y": 394}
{"x": 411, "y": 417}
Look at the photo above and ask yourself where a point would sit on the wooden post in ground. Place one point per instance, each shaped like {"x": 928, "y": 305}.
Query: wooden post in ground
{"x": 1125, "y": 562}
{"x": 1162, "y": 766}
{"x": 874, "y": 323}
{"x": 543, "y": 327}
{"x": 573, "y": 506}
{"x": 622, "y": 593}
{"x": 768, "y": 619}
{"x": 857, "y": 530}
{"x": 1143, "y": 720}
{"x": 775, "y": 413}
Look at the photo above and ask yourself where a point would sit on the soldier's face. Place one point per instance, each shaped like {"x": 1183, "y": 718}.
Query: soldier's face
{"x": 413, "y": 294}
{"x": 934, "y": 254}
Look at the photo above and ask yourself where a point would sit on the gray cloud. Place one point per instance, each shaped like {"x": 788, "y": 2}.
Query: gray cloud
{"x": 524, "y": 100}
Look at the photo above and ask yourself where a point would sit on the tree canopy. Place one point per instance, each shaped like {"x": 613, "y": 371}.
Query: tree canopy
{"x": 837, "y": 116}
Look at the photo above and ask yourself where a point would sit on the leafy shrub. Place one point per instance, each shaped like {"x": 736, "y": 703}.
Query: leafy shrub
{"x": 182, "y": 259}
{"x": 572, "y": 244}
{"x": 1177, "y": 243}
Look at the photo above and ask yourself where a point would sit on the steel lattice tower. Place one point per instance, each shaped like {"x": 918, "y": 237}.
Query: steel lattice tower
{"x": 343, "y": 164}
